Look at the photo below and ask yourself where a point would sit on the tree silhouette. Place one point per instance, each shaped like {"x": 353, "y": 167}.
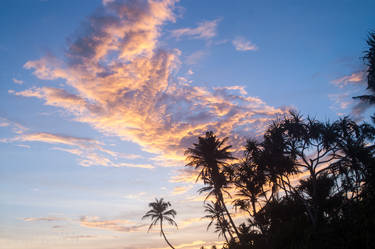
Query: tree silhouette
{"x": 215, "y": 214}
{"x": 211, "y": 156}
{"x": 369, "y": 60}
{"x": 158, "y": 213}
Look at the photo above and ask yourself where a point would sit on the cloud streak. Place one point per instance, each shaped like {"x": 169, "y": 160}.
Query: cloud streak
{"x": 90, "y": 151}
{"x": 122, "y": 83}
{"x": 17, "y": 81}
{"x": 349, "y": 86}
{"x": 241, "y": 44}
{"x": 50, "y": 218}
{"x": 354, "y": 78}
{"x": 204, "y": 30}
{"x": 14, "y": 126}
{"x": 113, "y": 225}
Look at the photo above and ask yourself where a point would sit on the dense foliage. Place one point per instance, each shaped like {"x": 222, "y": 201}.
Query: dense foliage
{"x": 307, "y": 184}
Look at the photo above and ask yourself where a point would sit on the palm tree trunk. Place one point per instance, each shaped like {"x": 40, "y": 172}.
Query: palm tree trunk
{"x": 226, "y": 239}
{"x": 225, "y": 224}
{"x": 228, "y": 214}
{"x": 224, "y": 228}
{"x": 165, "y": 238}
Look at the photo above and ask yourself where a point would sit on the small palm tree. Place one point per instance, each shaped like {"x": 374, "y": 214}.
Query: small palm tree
{"x": 215, "y": 213}
{"x": 159, "y": 212}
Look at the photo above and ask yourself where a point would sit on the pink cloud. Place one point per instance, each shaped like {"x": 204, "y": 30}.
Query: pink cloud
{"x": 355, "y": 78}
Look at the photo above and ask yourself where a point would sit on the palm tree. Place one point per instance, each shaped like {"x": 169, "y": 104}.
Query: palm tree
{"x": 215, "y": 213}
{"x": 159, "y": 212}
{"x": 369, "y": 60}
{"x": 211, "y": 156}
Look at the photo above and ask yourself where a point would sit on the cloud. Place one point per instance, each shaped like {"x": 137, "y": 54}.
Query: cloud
{"x": 14, "y": 126}
{"x": 50, "y": 218}
{"x": 241, "y": 44}
{"x": 204, "y": 30}
{"x": 113, "y": 225}
{"x": 78, "y": 237}
{"x": 185, "y": 175}
{"x": 136, "y": 196}
{"x": 341, "y": 100}
{"x": 188, "y": 222}
{"x": 195, "y": 57}
{"x": 123, "y": 84}
{"x": 19, "y": 82}
{"x": 181, "y": 190}
{"x": 24, "y": 146}
{"x": 90, "y": 151}
{"x": 356, "y": 78}
{"x": 349, "y": 86}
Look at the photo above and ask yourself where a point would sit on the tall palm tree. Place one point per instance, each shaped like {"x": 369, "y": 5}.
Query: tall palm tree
{"x": 369, "y": 60}
{"x": 158, "y": 213}
{"x": 211, "y": 156}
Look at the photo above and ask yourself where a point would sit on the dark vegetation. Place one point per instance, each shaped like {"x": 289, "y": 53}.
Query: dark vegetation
{"x": 305, "y": 184}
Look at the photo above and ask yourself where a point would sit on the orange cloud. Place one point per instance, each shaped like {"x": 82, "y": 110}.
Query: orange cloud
{"x": 124, "y": 85}
{"x": 181, "y": 190}
{"x": 357, "y": 77}
{"x": 188, "y": 222}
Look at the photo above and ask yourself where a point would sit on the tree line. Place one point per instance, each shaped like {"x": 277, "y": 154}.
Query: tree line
{"x": 305, "y": 184}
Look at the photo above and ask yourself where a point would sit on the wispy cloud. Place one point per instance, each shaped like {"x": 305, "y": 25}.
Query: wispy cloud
{"x": 190, "y": 221}
{"x": 90, "y": 151}
{"x": 17, "y": 81}
{"x": 136, "y": 196}
{"x": 49, "y": 218}
{"x": 342, "y": 100}
{"x": 241, "y": 44}
{"x": 114, "y": 225}
{"x": 357, "y": 77}
{"x": 14, "y": 126}
{"x": 79, "y": 237}
{"x": 349, "y": 86}
{"x": 195, "y": 57}
{"x": 204, "y": 30}
{"x": 181, "y": 190}
{"x": 186, "y": 175}
{"x": 123, "y": 84}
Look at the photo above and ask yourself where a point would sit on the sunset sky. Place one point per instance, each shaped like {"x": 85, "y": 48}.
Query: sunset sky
{"x": 100, "y": 98}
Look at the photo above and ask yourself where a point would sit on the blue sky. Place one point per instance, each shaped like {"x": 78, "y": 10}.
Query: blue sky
{"x": 99, "y": 99}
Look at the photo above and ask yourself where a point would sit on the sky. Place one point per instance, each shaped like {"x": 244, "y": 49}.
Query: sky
{"x": 100, "y": 99}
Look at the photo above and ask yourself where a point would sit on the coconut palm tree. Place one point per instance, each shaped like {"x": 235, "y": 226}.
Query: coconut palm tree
{"x": 158, "y": 213}
{"x": 211, "y": 156}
